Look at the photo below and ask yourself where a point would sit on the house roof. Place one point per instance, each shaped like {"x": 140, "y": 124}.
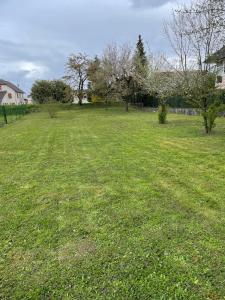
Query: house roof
{"x": 2, "y": 95}
{"x": 11, "y": 85}
{"x": 217, "y": 56}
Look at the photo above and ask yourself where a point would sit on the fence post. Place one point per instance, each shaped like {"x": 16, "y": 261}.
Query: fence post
{"x": 4, "y": 114}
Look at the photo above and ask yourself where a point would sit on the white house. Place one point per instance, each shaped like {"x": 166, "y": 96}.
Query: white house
{"x": 84, "y": 101}
{"x": 218, "y": 59}
{"x": 10, "y": 93}
{"x": 30, "y": 100}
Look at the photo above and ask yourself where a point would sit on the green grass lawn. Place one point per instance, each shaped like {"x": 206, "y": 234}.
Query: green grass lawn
{"x": 103, "y": 204}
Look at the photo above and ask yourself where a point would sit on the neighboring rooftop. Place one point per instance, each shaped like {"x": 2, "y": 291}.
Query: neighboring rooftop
{"x": 11, "y": 85}
{"x": 217, "y": 56}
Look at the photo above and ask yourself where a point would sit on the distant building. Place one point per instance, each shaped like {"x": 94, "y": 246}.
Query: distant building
{"x": 10, "y": 93}
{"x": 218, "y": 58}
{"x": 29, "y": 100}
{"x": 84, "y": 101}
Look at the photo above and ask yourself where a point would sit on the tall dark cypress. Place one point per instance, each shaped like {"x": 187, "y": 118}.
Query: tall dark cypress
{"x": 140, "y": 54}
{"x": 141, "y": 70}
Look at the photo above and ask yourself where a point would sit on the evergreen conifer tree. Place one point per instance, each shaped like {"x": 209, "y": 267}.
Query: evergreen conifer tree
{"x": 141, "y": 70}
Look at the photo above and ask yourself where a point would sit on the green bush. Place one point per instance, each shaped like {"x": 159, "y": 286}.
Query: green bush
{"x": 211, "y": 114}
{"x": 51, "y": 107}
{"x": 42, "y": 90}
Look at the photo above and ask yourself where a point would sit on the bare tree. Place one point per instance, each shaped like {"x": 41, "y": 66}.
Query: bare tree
{"x": 162, "y": 81}
{"x": 126, "y": 73}
{"x": 203, "y": 24}
{"x": 195, "y": 33}
{"x": 118, "y": 69}
{"x": 212, "y": 10}
{"x": 175, "y": 31}
{"x": 97, "y": 83}
{"x": 77, "y": 73}
{"x": 110, "y": 72}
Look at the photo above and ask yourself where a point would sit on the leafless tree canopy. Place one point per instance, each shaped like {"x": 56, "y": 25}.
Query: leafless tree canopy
{"x": 119, "y": 69}
{"x": 77, "y": 73}
{"x": 196, "y": 31}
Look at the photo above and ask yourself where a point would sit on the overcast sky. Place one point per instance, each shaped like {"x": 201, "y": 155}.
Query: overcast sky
{"x": 37, "y": 36}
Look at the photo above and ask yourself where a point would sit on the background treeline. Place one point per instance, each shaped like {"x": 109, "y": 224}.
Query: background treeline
{"x": 45, "y": 91}
{"x": 133, "y": 76}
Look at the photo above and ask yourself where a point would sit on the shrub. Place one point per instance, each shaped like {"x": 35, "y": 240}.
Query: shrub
{"x": 211, "y": 114}
{"x": 43, "y": 90}
{"x": 51, "y": 107}
{"x": 96, "y": 99}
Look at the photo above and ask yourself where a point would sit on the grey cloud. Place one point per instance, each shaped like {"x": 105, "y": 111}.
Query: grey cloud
{"x": 39, "y": 35}
{"x": 150, "y": 3}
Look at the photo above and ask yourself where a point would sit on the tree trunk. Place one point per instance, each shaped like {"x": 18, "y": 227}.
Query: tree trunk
{"x": 205, "y": 116}
{"x": 81, "y": 94}
{"x": 126, "y": 106}
{"x": 106, "y": 104}
{"x": 80, "y": 100}
{"x": 207, "y": 130}
{"x": 162, "y": 114}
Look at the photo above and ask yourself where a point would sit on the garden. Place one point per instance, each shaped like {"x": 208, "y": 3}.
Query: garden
{"x": 102, "y": 204}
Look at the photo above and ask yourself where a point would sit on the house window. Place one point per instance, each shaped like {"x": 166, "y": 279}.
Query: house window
{"x": 9, "y": 95}
{"x": 219, "y": 79}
